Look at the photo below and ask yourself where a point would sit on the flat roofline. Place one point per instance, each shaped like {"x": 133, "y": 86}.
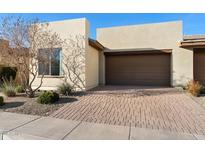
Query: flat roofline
{"x": 63, "y": 20}
{"x": 192, "y": 44}
{"x": 144, "y": 24}
{"x": 194, "y": 37}
{"x": 193, "y": 41}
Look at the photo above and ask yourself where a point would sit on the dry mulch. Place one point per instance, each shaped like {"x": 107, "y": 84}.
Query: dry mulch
{"x": 24, "y": 105}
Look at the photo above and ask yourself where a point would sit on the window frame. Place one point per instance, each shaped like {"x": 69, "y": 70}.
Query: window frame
{"x": 49, "y": 75}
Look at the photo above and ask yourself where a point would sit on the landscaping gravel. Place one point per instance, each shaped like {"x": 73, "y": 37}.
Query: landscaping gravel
{"x": 24, "y": 105}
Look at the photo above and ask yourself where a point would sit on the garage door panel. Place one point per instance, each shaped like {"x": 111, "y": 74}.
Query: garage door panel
{"x": 140, "y": 75}
{"x": 152, "y": 69}
{"x": 138, "y": 69}
{"x": 140, "y": 72}
{"x": 139, "y": 82}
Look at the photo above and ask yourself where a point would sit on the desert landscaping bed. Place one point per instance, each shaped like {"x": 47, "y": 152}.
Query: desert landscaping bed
{"x": 24, "y": 105}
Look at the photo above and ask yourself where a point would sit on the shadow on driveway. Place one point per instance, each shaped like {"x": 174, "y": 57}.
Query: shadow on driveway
{"x": 134, "y": 90}
{"x": 65, "y": 100}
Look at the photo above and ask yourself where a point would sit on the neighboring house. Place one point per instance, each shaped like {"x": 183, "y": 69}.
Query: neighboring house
{"x": 5, "y": 61}
{"x": 144, "y": 55}
{"x": 3, "y": 44}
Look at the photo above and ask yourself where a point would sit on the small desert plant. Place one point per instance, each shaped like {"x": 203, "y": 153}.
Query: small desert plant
{"x": 8, "y": 73}
{"x": 65, "y": 89}
{"x": 19, "y": 89}
{"x": 194, "y": 87}
{"x": 48, "y": 97}
{"x": 55, "y": 96}
{"x": 9, "y": 88}
{"x": 202, "y": 91}
{"x": 1, "y": 100}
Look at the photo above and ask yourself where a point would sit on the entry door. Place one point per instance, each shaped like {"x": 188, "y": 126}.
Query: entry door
{"x": 199, "y": 65}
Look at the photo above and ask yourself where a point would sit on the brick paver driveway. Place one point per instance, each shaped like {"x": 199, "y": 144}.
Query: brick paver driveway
{"x": 156, "y": 108}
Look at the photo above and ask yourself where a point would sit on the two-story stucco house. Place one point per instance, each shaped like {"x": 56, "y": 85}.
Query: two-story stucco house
{"x": 146, "y": 55}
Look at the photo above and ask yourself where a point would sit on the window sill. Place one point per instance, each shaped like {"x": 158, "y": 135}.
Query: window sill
{"x": 51, "y": 76}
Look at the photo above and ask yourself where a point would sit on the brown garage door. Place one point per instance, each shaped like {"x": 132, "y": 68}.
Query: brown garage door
{"x": 142, "y": 70}
{"x": 199, "y": 65}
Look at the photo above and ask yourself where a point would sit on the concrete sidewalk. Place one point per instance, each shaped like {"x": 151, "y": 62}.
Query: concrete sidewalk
{"x": 26, "y": 127}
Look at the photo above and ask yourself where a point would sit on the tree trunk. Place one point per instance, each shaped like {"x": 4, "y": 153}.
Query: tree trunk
{"x": 30, "y": 93}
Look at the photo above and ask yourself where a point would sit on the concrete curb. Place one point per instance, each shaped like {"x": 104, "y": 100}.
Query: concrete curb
{"x": 20, "y": 136}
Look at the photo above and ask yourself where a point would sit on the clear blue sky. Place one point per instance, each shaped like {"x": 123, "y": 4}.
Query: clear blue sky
{"x": 193, "y": 23}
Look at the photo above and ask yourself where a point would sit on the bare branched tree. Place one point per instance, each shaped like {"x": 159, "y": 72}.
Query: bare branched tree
{"x": 25, "y": 39}
{"x": 73, "y": 60}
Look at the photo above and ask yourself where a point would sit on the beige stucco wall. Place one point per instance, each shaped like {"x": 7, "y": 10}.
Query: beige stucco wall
{"x": 158, "y": 36}
{"x": 65, "y": 29}
{"x": 92, "y": 68}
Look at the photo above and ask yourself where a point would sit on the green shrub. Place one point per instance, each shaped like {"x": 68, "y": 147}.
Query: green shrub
{"x": 19, "y": 89}
{"x": 65, "y": 89}
{"x": 55, "y": 96}
{"x": 202, "y": 90}
{"x": 9, "y": 89}
{"x": 48, "y": 97}
{"x": 7, "y": 73}
{"x": 45, "y": 97}
{"x": 194, "y": 87}
{"x": 1, "y": 100}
